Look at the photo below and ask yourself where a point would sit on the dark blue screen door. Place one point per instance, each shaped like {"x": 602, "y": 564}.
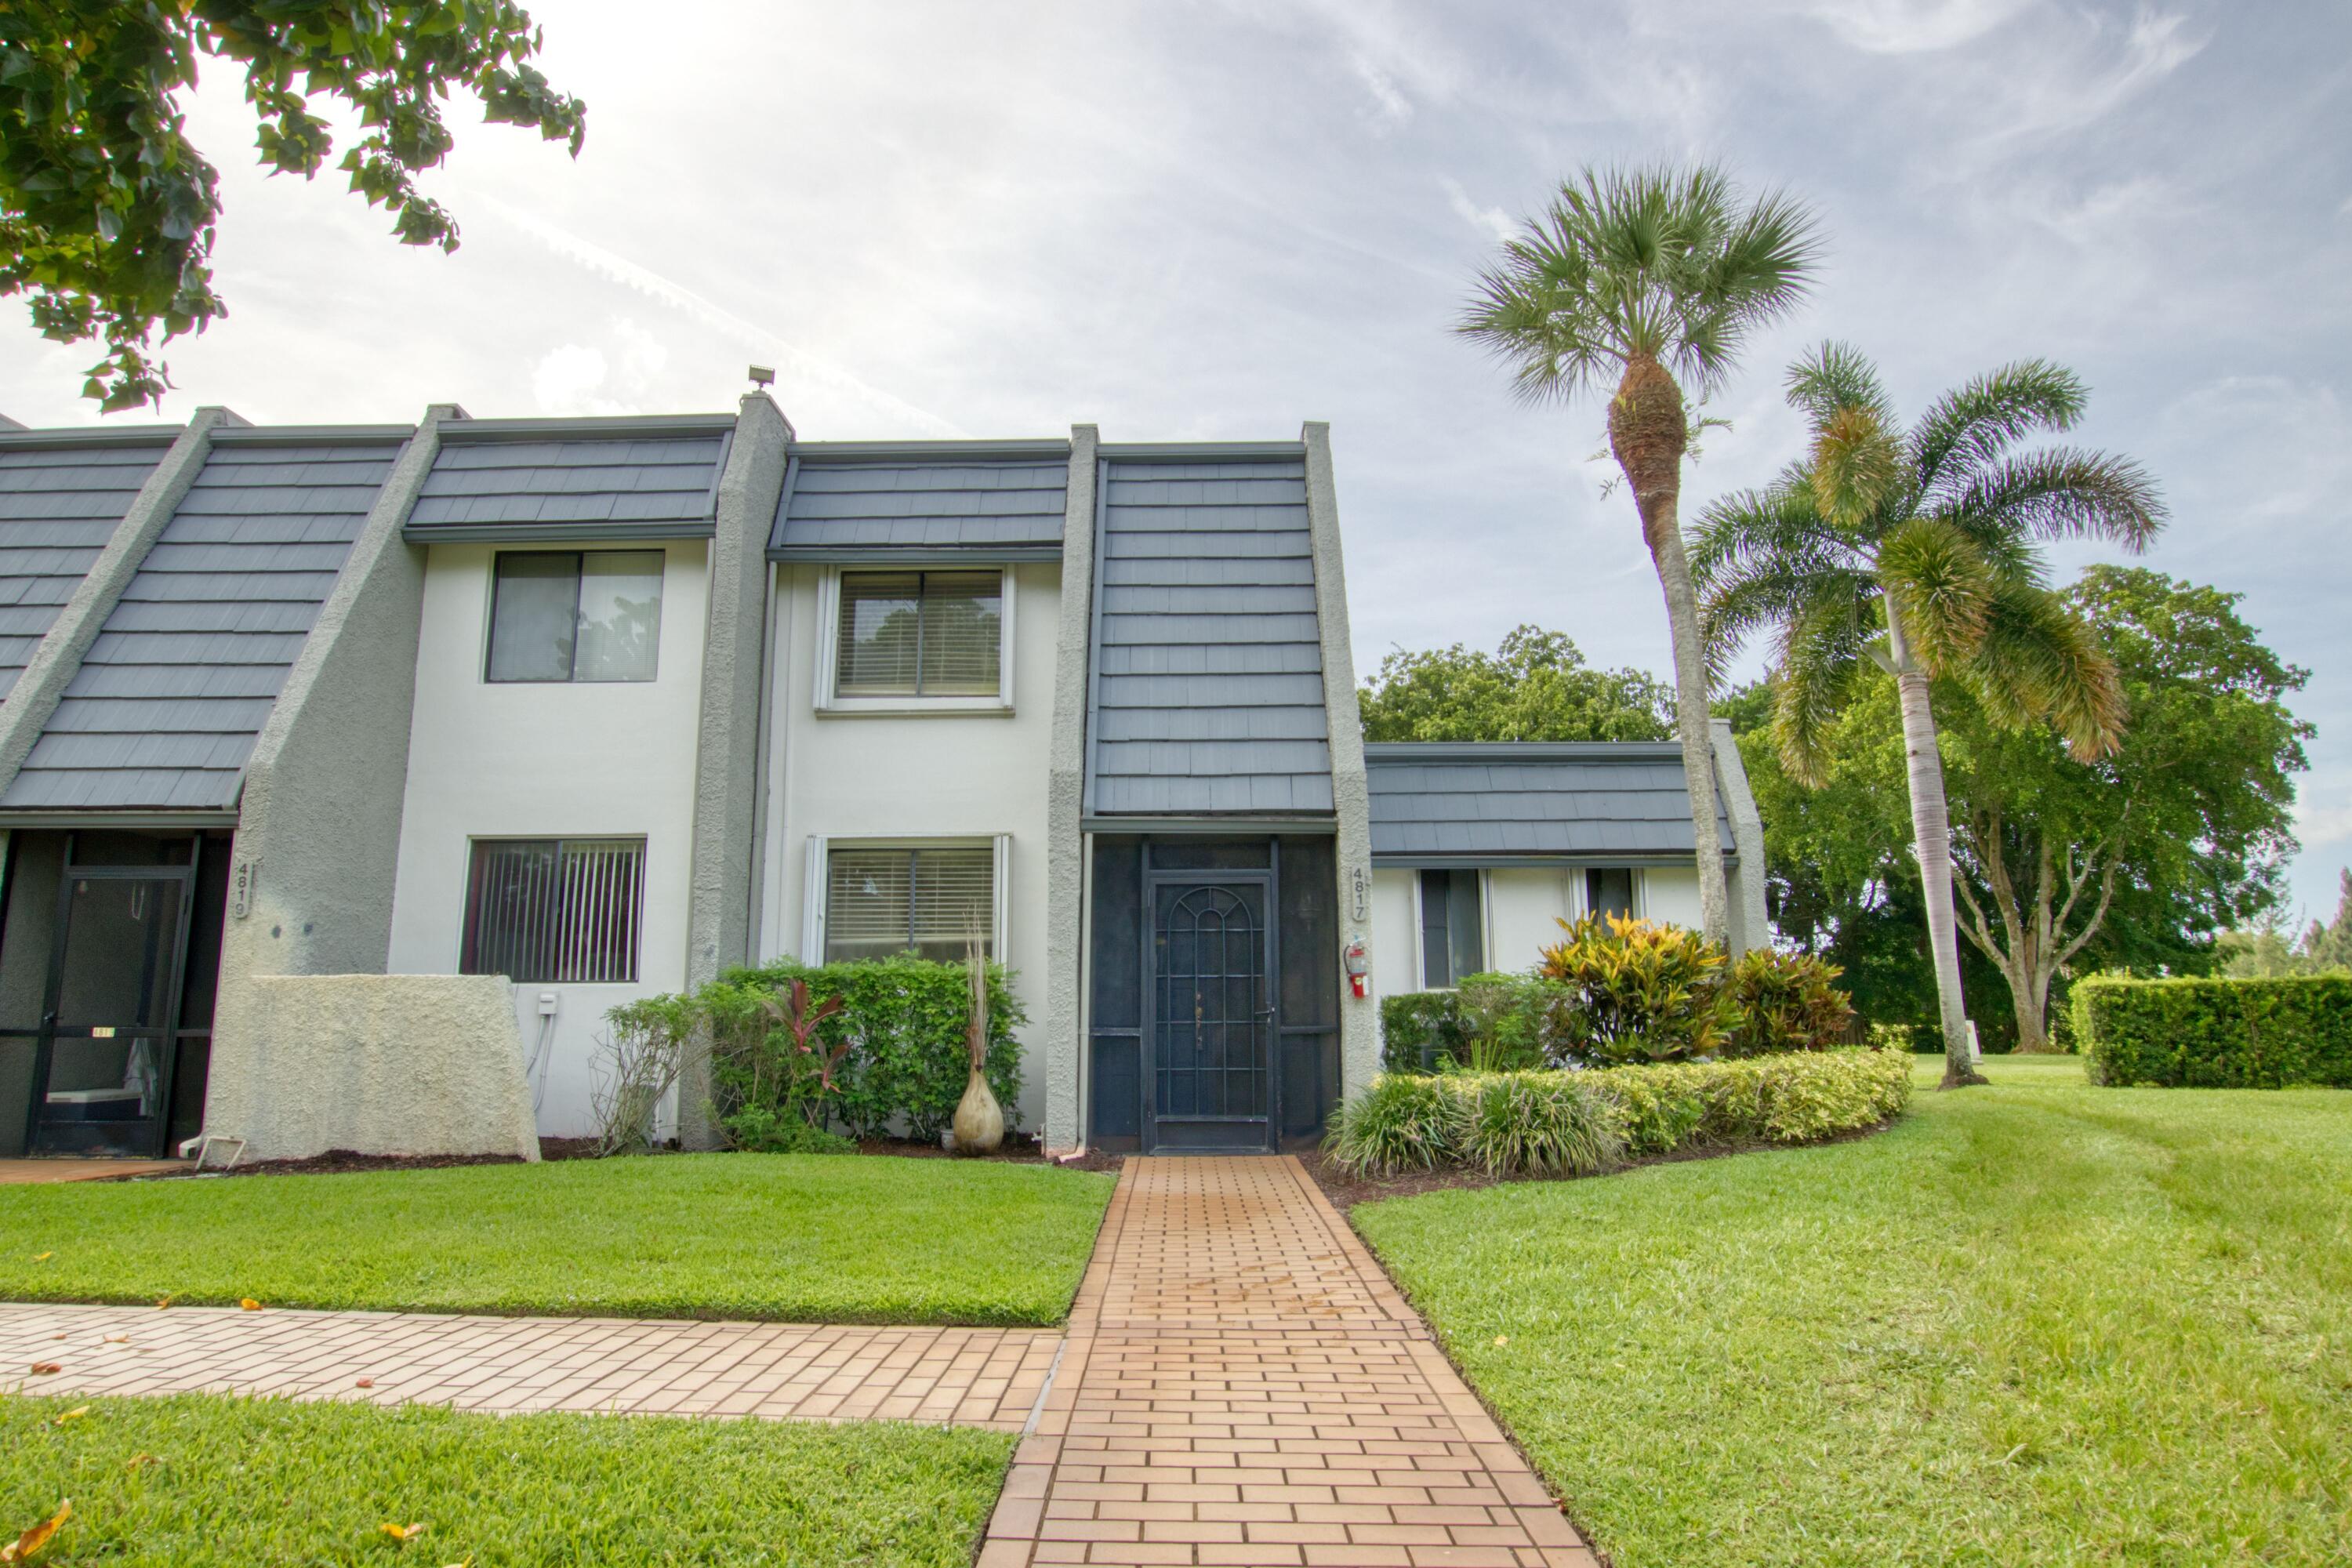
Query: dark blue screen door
{"x": 1211, "y": 1016}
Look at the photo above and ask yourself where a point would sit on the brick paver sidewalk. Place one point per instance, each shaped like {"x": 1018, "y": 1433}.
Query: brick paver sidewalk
{"x": 988, "y": 1377}
{"x": 1242, "y": 1384}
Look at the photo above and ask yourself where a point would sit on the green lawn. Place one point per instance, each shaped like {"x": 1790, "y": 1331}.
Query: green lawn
{"x": 811, "y": 1237}
{"x": 2036, "y": 1323}
{"x": 205, "y": 1481}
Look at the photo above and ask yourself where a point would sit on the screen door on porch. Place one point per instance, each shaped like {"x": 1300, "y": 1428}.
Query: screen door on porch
{"x": 1213, "y": 1016}
{"x": 104, "y": 1066}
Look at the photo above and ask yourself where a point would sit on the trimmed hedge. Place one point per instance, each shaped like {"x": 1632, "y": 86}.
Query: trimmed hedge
{"x": 1567, "y": 1123}
{"x": 2217, "y": 1034}
{"x": 1418, "y": 1029}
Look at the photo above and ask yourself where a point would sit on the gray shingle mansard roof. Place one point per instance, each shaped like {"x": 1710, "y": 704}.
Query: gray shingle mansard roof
{"x": 906, "y": 503}
{"x": 173, "y": 693}
{"x": 61, "y": 495}
{"x": 1438, "y": 803}
{"x": 1208, "y": 657}
{"x": 566, "y": 481}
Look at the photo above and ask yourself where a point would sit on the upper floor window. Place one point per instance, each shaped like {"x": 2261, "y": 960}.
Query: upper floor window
{"x": 571, "y": 614}
{"x": 547, "y": 911}
{"x": 920, "y": 634}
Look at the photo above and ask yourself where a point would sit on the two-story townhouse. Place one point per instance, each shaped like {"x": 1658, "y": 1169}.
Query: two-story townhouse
{"x": 590, "y": 708}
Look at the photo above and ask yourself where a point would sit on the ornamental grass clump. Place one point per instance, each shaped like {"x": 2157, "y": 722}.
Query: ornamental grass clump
{"x": 1403, "y": 1121}
{"x": 1535, "y": 1124}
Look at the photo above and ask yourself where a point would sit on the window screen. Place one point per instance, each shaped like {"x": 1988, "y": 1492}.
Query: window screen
{"x": 1451, "y": 942}
{"x": 1609, "y": 890}
{"x": 588, "y": 616}
{"x": 920, "y": 634}
{"x": 555, "y": 910}
{"x": 883, "y": 902}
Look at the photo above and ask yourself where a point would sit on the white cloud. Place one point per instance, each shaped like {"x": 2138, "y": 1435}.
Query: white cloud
{"x": 2064, "y": 92}
{"x": 1910, "y": 27}
{"x": 1394, "y": 105}
{"x": 567, "y": 379}
{"x": 1491, "y": 221}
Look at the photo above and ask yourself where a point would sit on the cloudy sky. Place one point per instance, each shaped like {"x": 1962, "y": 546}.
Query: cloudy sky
{"x": 1202, "y": 219}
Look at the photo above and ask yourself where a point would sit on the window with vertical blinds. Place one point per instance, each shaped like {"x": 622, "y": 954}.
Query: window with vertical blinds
{"x": 878, "y": 902}
{"x": 920, "y": 634}
{"x": 1452, "y": 941}
{"x": 544, "y": 910}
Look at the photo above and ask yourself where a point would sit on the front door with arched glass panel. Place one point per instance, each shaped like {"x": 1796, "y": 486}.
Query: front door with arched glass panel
{"x": 1211, "y": 1014}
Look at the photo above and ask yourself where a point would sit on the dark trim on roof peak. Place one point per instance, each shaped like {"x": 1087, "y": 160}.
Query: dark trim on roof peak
{"x": 312, "y": 435}
{"x": 1405, "y": 751}
{"x": 66, "y": 437}
{"x": 615, "y": 428}
{"x": 1056, "y": 448}
{"x": 1199, "y": 451}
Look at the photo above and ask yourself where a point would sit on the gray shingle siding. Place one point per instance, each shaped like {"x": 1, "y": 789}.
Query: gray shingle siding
{"x": 58, "y": 507}
{"x": 1208, "y": 655}
{"x": 649, "y": 485}
{"x": 1590, "y": 801}
{"x": 166, "y": 705}
{"x": 836, "y": 510}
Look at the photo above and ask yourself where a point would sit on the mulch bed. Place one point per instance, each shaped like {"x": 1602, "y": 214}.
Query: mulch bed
{"x": 1020, "y": 1149}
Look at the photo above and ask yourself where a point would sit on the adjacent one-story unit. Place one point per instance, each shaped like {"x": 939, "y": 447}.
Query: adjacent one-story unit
{"x": 506, "y": 721}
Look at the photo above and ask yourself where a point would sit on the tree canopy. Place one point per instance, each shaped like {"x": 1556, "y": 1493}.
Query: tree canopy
{"x": 1537, "y": 687}
{"x": 2135, "y": 859}
{"x": 107, "y": 211}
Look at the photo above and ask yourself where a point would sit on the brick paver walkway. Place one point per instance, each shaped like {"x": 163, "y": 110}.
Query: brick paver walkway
{"x": 1242, "y": 1384}
{"x": 988, "y": 1377}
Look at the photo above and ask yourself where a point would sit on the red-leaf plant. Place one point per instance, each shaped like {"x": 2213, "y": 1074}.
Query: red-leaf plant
{"x": 802, "y": 1022}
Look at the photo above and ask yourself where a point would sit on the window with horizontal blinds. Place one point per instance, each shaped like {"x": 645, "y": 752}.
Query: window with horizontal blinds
{"x": 545, "y": 910}
{"x": 920, "y": 634}
{"x": 880, "y": 901}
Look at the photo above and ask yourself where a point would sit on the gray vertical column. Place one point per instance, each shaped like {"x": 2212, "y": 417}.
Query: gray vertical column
{"x": 54, "y": 663}
{"x": 727, "y": 755}
{"x": 1750, "y": 926}
{"x": 1066, "y": 926}
{"x": 1359, "y": 1034}
{"x": 316, "y": 859}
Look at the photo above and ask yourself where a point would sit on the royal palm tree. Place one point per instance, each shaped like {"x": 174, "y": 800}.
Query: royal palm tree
{"x": 1644, "y": 283}
{"x": 1920, "y": 552}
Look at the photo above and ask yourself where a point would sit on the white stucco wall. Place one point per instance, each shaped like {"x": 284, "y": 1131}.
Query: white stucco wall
{"x": 549, "y": 761}
{"x": 1395, "y": 943}
{"x": 970, "y": 776}
{"x": 1669, "y": 895}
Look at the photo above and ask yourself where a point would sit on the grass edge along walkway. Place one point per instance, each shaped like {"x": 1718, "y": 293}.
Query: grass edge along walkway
{"x": 2036, "y": 1323}
{"x": 806, "y": 1238}
{"x": 212, "y": 1482}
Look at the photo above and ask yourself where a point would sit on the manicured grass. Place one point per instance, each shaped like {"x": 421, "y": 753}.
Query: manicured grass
{"x": 809, "y": 1237}
{"x": 2034, "y": 1324}
{"x": 205, "y": 1481}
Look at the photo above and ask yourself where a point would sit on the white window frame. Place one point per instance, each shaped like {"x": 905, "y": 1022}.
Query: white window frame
{"x": 813, "y": 883}
{"x": 830, "y": 703}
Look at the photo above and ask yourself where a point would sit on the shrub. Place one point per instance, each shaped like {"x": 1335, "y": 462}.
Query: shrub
{"x": 894, "y": 1053}
{"x": 1565, "y": 1122}
{"x": 1545, "y": 1123}
{"x": 1418, "y": 1029}
{"x": 1631, "y": 990}
{"x": 1786, "y": 1002}
{"x": 1793, "y": 1098}
{"x": 2217, "y": 1034}
{"x": 1403, "y": 1121}
{"x": 636, "y": 1066}
{"x": 766, "y": 1130}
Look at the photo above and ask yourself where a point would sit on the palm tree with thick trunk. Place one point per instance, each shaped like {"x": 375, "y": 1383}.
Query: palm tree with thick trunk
{"x": 1920, "y": 552}
{"x": 1644, "y": 283}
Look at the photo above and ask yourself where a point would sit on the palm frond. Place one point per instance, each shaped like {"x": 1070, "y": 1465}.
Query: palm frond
{"x": 1837, "y": 376}
{"x": 1940, "y": 586}
{"x": 1977, "y": 421}
{"x": 2060, "y": 493}
{"x": 1818, "y": 656}
{"x": 1639, "y": 261}
{"x": 2038, "y": 660}
{"x": 1858, "y": 471}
